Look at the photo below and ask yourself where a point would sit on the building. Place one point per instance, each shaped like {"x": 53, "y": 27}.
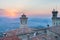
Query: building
{"x": 55, "y": 19}
{"x": 52, "y": 32}
{"x": 23, "y": 21}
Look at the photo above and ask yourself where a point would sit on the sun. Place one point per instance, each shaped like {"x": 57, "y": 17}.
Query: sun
{"x": 11, "y": 13}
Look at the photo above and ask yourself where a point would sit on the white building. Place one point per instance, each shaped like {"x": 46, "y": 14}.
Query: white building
{"x": 23, "y": 21}
{"x": 55, "y": 19}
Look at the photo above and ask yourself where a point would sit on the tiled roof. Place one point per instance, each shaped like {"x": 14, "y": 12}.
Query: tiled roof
{"x": 19, "y": 31}
{"x": 40, "y": 37}
{"x": 58, "y": 17}
{"x": 55, "y": 29}
{"x": 10, "y": 38}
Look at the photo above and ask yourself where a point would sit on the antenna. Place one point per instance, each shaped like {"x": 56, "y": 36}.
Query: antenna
{"x": 22, "y": 13}
{"x": 56, "y": 5}
{"x": 53, "y": 9}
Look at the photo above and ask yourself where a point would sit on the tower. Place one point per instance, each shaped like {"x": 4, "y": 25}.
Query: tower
{"x": 54, "y": 14}
{"x": 54, "y": 17}
{"x": 23, "y": 21}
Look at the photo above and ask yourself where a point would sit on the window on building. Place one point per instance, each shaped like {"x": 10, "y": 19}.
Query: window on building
{"x": 54, "y": 23}
{"x": 59, "y": 23}
{"x": 56, "y": 37}
{"x": 44, "y": 38}
{"x": 45, "y": 31}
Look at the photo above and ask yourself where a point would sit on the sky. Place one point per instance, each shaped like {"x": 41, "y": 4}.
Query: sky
{"x": 32, "y": 8}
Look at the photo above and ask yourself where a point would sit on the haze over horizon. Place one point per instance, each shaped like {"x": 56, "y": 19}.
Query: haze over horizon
{"x": 32, "y": 8}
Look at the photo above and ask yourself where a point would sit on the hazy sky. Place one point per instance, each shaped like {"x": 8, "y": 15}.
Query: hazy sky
{"x": 30, "y": 7}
